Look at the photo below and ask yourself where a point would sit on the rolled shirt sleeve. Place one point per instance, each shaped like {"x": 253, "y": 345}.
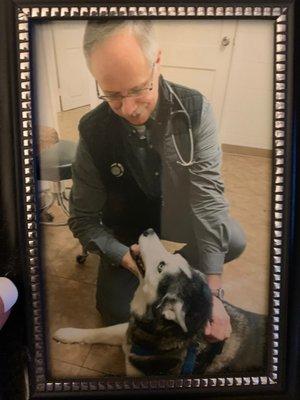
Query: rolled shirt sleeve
{"x": 87, "y": 198}
{"x": 208, "y": 204}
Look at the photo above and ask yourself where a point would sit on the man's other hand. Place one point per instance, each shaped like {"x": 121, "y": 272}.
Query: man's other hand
{"x": 219, "y": 328}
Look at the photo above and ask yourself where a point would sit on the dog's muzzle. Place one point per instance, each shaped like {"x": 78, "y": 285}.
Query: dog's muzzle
{"x": 137, "y": 256}
{"x": 148, "y": 232}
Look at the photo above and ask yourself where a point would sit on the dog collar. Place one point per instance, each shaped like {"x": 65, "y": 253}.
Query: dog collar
{"x": 198, "y": 362}
{"x": 190, "y": 360}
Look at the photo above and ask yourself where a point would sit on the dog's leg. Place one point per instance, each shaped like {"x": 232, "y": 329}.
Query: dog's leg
{"x": 113, "y": 335}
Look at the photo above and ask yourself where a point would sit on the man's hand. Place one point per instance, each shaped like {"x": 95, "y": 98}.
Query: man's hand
{"x": 219, "y": 328}
{"x": 128, "y": 262}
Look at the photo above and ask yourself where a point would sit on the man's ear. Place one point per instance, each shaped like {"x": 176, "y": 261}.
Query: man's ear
{"x": 158, "y": 57}
{"x": 172, "y": 309}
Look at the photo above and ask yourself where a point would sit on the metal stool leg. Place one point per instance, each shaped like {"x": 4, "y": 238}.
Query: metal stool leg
{"x": 57, "y": 192}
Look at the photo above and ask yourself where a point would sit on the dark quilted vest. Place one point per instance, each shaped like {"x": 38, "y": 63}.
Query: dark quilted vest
{"x": 128, "y": 210}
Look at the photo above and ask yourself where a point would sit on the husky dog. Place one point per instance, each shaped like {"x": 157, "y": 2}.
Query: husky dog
{"x": 169, "y": 311}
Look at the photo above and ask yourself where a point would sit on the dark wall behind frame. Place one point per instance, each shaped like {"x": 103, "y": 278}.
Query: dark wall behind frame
{"x": 11, "y": 211}
{"x": 293, "y": 355}
{"x": 12, "y": 350}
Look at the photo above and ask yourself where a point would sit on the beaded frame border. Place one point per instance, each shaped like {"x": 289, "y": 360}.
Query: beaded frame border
{"x": 280, "y": 16}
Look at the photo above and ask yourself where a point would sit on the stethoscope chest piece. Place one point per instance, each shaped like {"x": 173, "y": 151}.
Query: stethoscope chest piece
{"x": 117, "y": 170}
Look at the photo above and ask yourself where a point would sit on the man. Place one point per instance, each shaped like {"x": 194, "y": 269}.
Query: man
{"x": 148, "y": 156}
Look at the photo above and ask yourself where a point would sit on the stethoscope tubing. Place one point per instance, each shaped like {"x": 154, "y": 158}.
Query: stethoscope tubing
{"x": 183, "y": 111}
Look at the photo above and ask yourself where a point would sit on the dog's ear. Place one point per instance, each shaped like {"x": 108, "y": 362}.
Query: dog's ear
{"x": 173, "y": 310}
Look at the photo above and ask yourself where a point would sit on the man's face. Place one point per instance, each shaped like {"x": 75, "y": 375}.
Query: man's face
{"x": 120, "y": 67}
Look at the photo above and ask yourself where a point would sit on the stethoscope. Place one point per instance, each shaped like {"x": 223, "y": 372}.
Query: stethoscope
{"x": 183, "y": 112}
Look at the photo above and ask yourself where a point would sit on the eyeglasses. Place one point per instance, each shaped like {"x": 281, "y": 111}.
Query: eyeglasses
{"x": 136, "y": 93}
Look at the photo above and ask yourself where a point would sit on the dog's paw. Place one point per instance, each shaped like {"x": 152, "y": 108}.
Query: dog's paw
{"x": 69, "y": 335}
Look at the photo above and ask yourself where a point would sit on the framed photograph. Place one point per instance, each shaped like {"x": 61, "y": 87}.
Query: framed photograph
{"x": 148, "y": 158}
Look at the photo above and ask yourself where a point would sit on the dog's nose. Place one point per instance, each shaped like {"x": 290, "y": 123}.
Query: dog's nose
{"x": 149, "y": 231}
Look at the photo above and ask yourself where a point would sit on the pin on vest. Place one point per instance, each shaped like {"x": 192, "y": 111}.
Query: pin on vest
{"x": 117, "y": 170}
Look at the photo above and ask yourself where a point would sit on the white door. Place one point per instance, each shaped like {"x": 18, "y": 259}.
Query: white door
{"x": 197, "y": 54}
{"x": 72, "y": 72}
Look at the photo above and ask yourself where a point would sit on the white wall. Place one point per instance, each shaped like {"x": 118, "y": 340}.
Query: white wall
{"x": 248, "y": 107}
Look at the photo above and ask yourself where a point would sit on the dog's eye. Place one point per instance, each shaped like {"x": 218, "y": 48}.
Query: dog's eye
{"x": 161, "y": 266}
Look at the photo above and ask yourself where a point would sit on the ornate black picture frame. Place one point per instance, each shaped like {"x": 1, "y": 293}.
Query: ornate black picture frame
{"x": 19, "y": 200}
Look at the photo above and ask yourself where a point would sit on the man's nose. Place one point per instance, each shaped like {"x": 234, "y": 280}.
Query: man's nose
{"x": 128, "y": 106}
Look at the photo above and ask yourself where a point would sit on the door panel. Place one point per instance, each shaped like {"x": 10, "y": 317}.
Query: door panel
{"x": 193, "y": 55}
{"x": 71, "y": 66}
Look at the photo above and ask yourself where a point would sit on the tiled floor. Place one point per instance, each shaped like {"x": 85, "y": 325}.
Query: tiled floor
{"x": 70, "y": 288}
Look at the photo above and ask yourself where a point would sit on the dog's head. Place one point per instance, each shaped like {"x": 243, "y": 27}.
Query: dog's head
{"x": 169, "y": 287}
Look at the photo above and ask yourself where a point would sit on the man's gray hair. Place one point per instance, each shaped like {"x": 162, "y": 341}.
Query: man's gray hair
{"x": 96, "y": 32}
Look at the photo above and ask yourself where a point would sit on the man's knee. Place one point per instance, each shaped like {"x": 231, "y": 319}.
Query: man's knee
{"x": 240, "y": 245}
{"x": 237, "y": 243}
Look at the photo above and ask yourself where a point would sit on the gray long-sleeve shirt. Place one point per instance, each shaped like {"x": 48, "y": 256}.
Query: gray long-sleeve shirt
{"x": 208, "y": 205}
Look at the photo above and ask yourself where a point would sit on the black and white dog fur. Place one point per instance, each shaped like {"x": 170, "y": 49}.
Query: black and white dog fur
{"x": 169, "y": 311}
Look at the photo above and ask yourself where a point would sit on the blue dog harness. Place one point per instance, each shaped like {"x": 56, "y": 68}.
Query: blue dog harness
{"x": 190, "y": 360}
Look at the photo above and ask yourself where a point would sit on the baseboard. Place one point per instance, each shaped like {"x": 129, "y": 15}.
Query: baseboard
{"x": 246, "y": 150}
